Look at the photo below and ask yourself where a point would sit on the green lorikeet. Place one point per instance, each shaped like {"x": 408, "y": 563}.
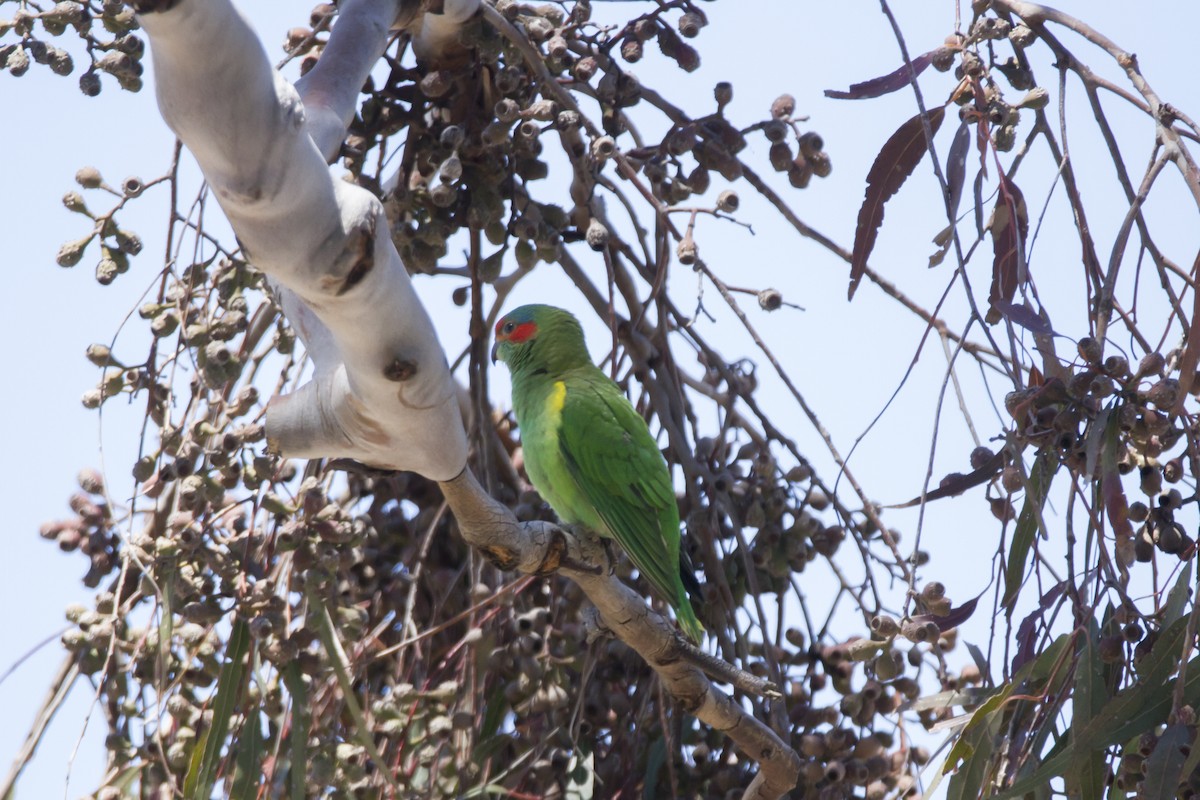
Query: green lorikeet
{"x": 589, "y": 453}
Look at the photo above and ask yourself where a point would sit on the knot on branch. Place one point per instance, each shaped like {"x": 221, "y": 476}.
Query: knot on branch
{"x": 360, "y": 250}
{"x": 400, "y": 369}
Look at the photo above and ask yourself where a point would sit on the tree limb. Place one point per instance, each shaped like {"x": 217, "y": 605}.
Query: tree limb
{"x": 537, "y": 547}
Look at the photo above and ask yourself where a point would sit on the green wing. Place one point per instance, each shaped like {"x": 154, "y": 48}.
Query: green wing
{"x": 616, "y": 463}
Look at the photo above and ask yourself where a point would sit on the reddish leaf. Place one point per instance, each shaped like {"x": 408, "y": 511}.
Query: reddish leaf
{"x": 958, "y": 483}
{"x": 1027, "y": 630}
{"x": 956, "y": 165}
{"x": 1023, "y": 315}
{"x": 884, "y": 84}
{"x": 956, "y": 617}
{"x": 895, "y": 162}
{"x": 1115, "y": 502}
{"x": 1010, "y": 226}
{"x": 1191, "y": 347}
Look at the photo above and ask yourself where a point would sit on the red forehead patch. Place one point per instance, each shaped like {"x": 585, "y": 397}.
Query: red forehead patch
{"x": 522, "y": 332}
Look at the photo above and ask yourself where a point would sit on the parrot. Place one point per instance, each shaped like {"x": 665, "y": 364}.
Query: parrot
{"x": 589, "y": 453}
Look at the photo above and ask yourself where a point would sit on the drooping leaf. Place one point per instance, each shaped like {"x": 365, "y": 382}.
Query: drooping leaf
{"x": 977, "y": 189}
{"x": 1115, "y": 502}
{"x": 202, "y": 769}
{"x": 248, "y": 764}
{"x": 1191, "y": 348}
{"x": 1087, "y": 775}
{"x": 298, "y": 730}
{"x": 1165, "y": 764}
{"x": 956, "y": 484}
{"x": 1140, "y": 708}
{"x": 956, "y": 175}
{"x": 654, "y": 764}
{"x": 884, "y": 84}
{"x": 1010, "y": 228}
{"x": 956, "y": 617}
{"x": 1036, "y": 487}
{"x": 956, "y": 165}
{"x": 1093, "y": 444}
{"x": 1022, "y": 315}
{"x": 1178, "y": 596}
{"x": 981, "y": 662}
{"x": 895, "y": 162}
{"x": 1027, "y": 630}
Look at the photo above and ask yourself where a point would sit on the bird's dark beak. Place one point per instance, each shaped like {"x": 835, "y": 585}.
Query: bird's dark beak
{"x": 495, "y": 351}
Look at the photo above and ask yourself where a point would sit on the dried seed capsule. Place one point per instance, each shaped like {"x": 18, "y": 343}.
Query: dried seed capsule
{"x": 584, "y": 69}
{"x": 89, "y": 178}
{"x": 821, "y": 165}
{"x": 686, "y": 251}
{"x": 723, "y": 93}
{"x": 727, "y": 201}
{"x": 783, "y": 107}
{"x": 1090, "y": 350}
{"x": 603, "y": 148}
{"x": 691, "y": 23}
{"x": 597, "y": 235}
{"x": 73, "y": 201}
{"x": 770, "y": 299}
{"x": 71, "y": 252}
{"x": 780, "y": 156}
{"x": 557, "y": 48}
{"x": 885, "y": 626}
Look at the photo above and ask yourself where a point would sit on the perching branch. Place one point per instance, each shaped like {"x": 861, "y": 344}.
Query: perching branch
{"x": 537, "y": 548}
{"x": 382, "y": 392}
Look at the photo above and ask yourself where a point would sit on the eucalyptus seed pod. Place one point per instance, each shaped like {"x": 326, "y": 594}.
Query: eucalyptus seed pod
{"x": 686, "y": 251}
{"x": 690, "y": 24}
{"x": 780, "y": 156}
{"x": 727, "y": 201}
{"x": 597, "y": 235}
{"x": 723, "y": 93}
{"x": 770, "y": 299}
{"x": 783, "y": 106}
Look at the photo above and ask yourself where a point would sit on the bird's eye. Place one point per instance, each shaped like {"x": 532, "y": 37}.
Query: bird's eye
{"x": 508, "y": 327}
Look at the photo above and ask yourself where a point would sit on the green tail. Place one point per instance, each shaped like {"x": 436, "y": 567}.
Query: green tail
{"x": 687, "y": 620}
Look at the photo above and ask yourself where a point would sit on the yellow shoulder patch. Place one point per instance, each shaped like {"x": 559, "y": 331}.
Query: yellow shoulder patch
{"x": 558, "y": 396}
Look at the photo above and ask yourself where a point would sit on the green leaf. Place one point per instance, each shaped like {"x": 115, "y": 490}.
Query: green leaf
{"x": 341, "y": 669}
{"x": 207, "y": 752}
{"x": 1140, "y": 708}
{"x": 248, "y": 765}
{"x": 1037, "y": 485}
{"x": 1178, "y": 596}
{"x": 487, "y": 742}
{"x": 298, "y": 732}
{"x": 654, "y": 764}
{"x": 1165, "y": 765}
{"x": 1193, "y": 759}
{"x": 1086, "y": 777}
{"x": 964, "y": 749}
{"x": 978, "y": 743}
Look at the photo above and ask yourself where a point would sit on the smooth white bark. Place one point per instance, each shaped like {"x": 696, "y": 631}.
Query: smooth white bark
{"x": 382, "y": 393}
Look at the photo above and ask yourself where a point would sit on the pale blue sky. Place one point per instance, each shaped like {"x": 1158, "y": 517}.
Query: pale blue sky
{"x": 847, "y": 358}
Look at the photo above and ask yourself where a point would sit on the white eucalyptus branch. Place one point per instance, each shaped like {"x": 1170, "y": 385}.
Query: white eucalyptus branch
{"x": 382, "y": 393}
